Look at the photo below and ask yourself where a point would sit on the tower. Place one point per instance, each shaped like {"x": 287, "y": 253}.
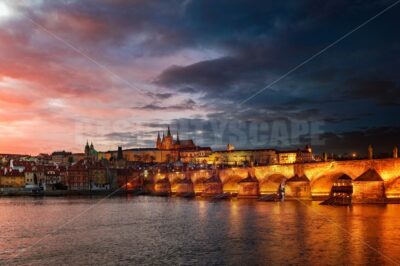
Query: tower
{"x": 179, "y": 156}
{"x": 120, "y": 155}
{"x": 395, "y": 152}
{"x": 158, "y": 142}
{"x": 90, "y": 151}
{"x": 370, "y": 152}
{"x": 177, "y": 142}
{"x": 308, "y": 148}
{"x": 87, "y": 149}
{"x": 168, "y": 132}
{"x": 325, "y": 157}
{"x": 168, "y": 141}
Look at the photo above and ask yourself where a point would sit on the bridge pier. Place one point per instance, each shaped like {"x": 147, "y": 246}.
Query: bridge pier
{"x": 298, "y": 188}
{"x": 212, "y": 186}
{"x": 162, "y": 187}
{"x": 249, "y": 188}
{"x": 184, "y": 187}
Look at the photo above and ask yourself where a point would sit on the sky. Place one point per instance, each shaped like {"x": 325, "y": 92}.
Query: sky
{"x": 250, "y": 73}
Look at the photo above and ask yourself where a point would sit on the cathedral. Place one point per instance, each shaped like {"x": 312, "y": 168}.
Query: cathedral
{"x": 167, "y": 142}
{"x": 90, "y": 151}
{"x": 168, "y": 148}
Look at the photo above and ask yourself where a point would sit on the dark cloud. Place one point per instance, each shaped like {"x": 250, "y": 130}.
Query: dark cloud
{"x": 263, "y": 48}
{"x": 163, "y": 96}
{"x": 383, "y": 92}
{"x": 157, "y": 125}
{"x": 120, "y": 135}
{"x": 187, "y": 105}
{"x": 221, "y": 53}
{"x": 187, "y": 90}
{"x": 337, "y": 120}
{"x": 383, "y": 139}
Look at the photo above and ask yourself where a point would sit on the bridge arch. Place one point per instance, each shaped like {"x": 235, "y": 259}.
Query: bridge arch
{"x": 271, "y": 184}
{"x": 321, "y": 185}
{"x": 231, "y": 182}
{"x": 392, "y": 188}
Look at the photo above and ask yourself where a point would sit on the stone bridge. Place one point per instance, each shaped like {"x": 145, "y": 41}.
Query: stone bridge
{"x": 320, "y": 177}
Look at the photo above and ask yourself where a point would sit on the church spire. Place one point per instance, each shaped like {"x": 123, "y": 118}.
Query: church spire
{"x": 87, "y": 148}
{"x": 168, "y": 132}
{"x": 177, "y": 137}
{"x": 158, "y": 143}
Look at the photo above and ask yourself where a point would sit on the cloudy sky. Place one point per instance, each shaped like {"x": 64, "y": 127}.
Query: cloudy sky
{"x": 117, "y": 72}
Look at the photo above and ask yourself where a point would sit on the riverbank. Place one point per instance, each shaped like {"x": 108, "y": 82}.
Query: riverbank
{"x": 116, "y": 193}
{"x": 62, "y": 193}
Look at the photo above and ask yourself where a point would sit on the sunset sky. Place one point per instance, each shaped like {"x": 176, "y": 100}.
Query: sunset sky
{"x": 117, "y": 72}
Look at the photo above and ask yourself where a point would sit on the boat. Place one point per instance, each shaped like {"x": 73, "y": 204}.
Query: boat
{"x": 222, "y": 196}
{"x": 37, "y": 192}
{"x": 186, "y": 195}
{"x": 269, "y": 197}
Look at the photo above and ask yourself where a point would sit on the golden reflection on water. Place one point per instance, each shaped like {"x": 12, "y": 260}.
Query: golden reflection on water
{"x": 235, "y": 218}
{"x": 145, "y": 230}
{"x": 202, "y": 208}
{"x": 374, "y": 228}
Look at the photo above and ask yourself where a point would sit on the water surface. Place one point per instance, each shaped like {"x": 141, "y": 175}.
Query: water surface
{"x": 173, "y": 231}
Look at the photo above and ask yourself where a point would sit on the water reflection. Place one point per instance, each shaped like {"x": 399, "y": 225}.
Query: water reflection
{"x": 147, "y": 230}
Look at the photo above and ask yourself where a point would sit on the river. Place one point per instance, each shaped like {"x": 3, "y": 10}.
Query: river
{"x": 173, "y": 231}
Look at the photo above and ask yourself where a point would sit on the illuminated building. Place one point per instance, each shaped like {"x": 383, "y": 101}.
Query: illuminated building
{"x": 167, "y": 149}
{"x": 12, "y": 178}
{"x": 296, "y": 156}
{"x": 343, "y": 186}
{"x": 287, "y": 157}
{"x": 243, "y": 157}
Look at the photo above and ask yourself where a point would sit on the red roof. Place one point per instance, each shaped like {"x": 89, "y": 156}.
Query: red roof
{"x": 12, "y": 172}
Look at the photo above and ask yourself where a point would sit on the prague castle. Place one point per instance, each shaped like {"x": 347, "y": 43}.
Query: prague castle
{"x": 168, "y": 143}
{"x": 169, "y": 149}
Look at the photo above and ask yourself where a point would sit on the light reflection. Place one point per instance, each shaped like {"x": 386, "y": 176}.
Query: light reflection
{"x": 235, "y": 219}
{"x": 244, "y": 231}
